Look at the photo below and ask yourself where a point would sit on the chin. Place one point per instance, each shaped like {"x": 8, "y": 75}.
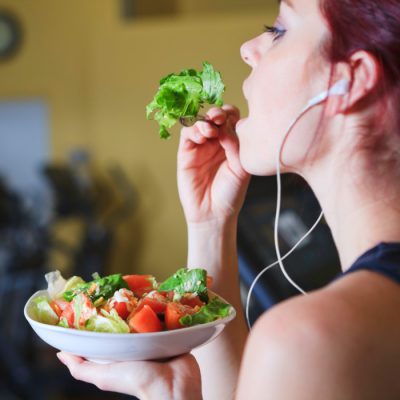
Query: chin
{"x": 252, "y": 142}
{"x": 255, "y": 165}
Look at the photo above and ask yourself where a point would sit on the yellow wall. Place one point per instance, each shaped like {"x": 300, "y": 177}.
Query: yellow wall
{"x": 98, "y": 73}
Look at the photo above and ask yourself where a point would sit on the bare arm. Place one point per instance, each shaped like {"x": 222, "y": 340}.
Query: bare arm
{"x": 213, "y": 246}
{"x": 212, "y": 186}
{"x": 340, "y": 342}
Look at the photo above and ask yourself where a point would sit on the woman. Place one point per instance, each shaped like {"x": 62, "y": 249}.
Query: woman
{"x": 339, "y": 342}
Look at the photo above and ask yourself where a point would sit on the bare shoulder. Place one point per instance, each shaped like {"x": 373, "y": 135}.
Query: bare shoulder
{"x": 338, "y": 342}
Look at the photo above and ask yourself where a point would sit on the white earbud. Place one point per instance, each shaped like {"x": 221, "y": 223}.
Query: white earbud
{"x": 340, "y": 88}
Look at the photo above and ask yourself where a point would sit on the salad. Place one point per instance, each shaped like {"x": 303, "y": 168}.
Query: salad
{"x": 182, "y": 95}
{"x": 129, "y": 303}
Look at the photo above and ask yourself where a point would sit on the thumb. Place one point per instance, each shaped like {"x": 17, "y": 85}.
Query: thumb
{"x": 230, "y": 143}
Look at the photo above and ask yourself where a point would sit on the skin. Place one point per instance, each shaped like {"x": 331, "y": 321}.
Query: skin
{"x": 337, "y": 342}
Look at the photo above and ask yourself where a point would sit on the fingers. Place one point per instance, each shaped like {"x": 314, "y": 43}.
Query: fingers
{"x": 74, "y": 364}
{"x": 202, "y": 131}
{"x": 83, "y": 370}
{"x": 187, "y": 368}
{"x": 197, "y": 134}
{"x": 206, "y": 129}
{"x": 230, "y": 144}
{"x": 220, "y": 115}
{"x": 188, "y": 363}
{"x": 69, "y": 359}
{"x": 143, "y": 379}
{"x": 229, "y": 140}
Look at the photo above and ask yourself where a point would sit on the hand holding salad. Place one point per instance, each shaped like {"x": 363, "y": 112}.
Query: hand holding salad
{"x": 133, "y": 305}
{"x": 176, "y": 379}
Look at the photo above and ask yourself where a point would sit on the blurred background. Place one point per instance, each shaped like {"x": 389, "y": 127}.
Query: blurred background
{"x": 86, "y": 185}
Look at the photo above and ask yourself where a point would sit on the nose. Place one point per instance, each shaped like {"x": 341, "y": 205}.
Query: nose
{"x": 250, "y": 53}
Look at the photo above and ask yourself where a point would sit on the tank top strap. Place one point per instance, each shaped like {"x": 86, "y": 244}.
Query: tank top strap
{"x": 383, "y": 258}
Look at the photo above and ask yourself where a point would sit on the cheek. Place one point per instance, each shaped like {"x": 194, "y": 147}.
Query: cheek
{"x": 283, "y": 78}
{"x": 261, "y": 136}
{"x": 278, "y": 89}
{"x": 261, "y": 139}
{"x": 261, "y": 133}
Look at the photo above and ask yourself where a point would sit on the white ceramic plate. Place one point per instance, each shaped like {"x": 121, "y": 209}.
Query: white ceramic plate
{"x": 108, "y": 347}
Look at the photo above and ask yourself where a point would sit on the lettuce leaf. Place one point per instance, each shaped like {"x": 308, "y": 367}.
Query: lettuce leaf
{"x": 63, "y": 323}
{"x": 100, "y": 287}
{"x": 215, "y": 309}
{"x": 107, "y": 322}
{"x": 213, "y": 87}
{"x": 183, "y": 94}
{"x": 55, "y": 283}
{"x": 187, "y": 281}
{"x": 42, "y": 311}
{"x": 71, "y": 284}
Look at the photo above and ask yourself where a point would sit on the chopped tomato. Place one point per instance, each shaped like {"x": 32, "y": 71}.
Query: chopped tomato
{"x": 140, "y": 284}
{"x": 155, "y": 300}
{"x": 210, "y": 281}
{"x": 144, "y": 321}
{"x": 168, "y": 295}
{"x": 122, "y": 309}
{"x": 191, "y": 301}
{"x": 174, "y": 312}
{"x": 68, "y": 314}
{"x": 123, "y": 302}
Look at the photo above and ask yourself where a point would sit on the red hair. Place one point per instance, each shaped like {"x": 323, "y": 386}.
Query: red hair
{"x": 372, "y": 26}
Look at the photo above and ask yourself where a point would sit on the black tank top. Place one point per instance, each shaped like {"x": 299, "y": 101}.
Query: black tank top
{"x": 383, "y": 259}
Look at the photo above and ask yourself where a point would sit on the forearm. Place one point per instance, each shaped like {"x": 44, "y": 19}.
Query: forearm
{"x": 212, "y": 246}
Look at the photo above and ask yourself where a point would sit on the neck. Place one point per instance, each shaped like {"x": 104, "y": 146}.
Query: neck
{"x": 361, "y": 209}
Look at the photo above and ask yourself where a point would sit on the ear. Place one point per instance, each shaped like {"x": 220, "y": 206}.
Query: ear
{"x": 362, "y": 70}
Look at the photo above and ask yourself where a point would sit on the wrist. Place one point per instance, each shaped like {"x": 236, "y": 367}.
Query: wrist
{"x": 216, "y": 226}
{"x": 211, "y": 244}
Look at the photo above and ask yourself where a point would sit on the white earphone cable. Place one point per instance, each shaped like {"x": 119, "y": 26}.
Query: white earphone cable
{"x": 340, "y": 88}
{"x": 276, "y": 224}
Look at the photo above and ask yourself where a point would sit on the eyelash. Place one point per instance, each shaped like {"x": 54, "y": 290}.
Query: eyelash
{"x": 276, "y": 33}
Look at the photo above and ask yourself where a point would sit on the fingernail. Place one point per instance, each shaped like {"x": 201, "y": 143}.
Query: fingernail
{"x": 60, "y": 357}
